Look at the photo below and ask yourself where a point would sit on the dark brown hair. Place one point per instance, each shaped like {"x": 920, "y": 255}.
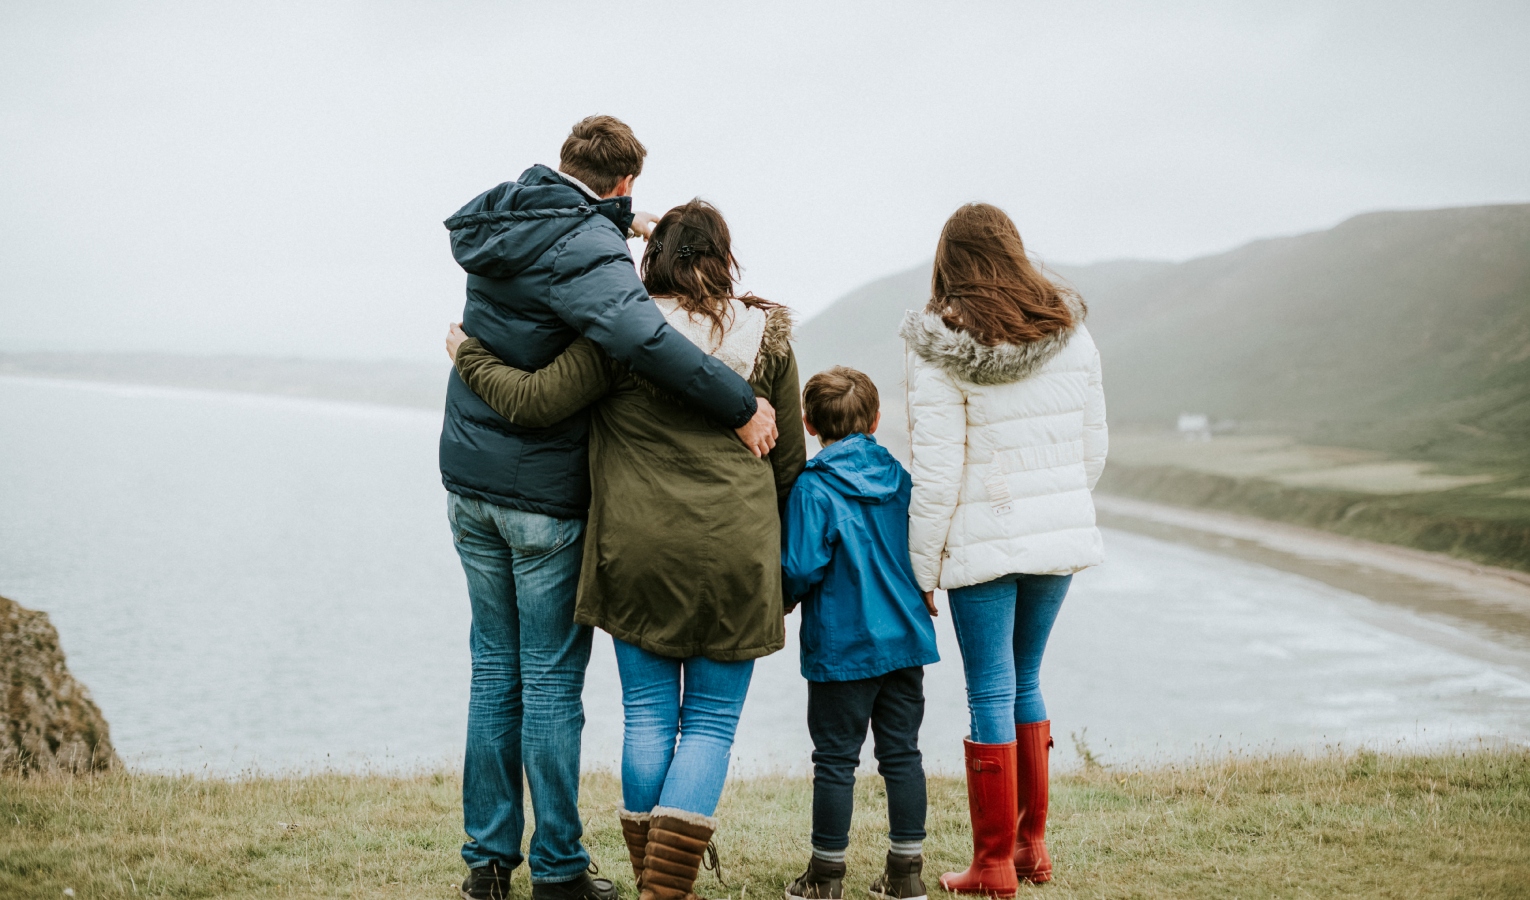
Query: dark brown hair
{"x": 985, "y": 284}
{"x": 690, "y": 258}
{"x": 600, "y": 151}
{"x": 839, "y": 402}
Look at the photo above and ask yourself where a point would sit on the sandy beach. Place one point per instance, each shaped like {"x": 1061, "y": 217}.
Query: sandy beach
{"x": 1493, "y": 603}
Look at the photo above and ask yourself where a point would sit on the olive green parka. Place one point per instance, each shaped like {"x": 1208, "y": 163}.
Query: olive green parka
{"x": 682, "y": 553}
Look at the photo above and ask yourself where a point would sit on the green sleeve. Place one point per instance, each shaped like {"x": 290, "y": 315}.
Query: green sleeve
{"x": 578, "y": 377}
{"x": 790, "y": 453}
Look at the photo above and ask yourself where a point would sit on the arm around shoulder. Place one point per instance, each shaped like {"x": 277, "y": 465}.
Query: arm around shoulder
{"x": 596, "y": 290}
{"x": 579, "y": 376}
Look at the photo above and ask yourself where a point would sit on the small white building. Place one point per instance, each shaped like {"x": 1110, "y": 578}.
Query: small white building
{"x": 1195, "y": 426}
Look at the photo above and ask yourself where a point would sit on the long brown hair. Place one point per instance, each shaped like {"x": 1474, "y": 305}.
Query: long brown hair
{"x": 985, "y": 285}
{"x": 690, "y": 258}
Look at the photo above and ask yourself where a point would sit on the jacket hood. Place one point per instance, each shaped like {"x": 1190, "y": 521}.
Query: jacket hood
{"x": 960, "y": 354}
{"x": 502, "y": 231}
{"x": 858, "y": 467}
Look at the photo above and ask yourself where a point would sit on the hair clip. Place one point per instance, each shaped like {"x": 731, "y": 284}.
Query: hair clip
{"x": 658, "y": 246}
{"x": 686, "y": 251}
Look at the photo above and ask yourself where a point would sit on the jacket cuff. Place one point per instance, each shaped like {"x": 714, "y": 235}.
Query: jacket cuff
{"x": 925, "y": 575}
{"x": 748, "y": 413}
{"x": 469, "y": 346}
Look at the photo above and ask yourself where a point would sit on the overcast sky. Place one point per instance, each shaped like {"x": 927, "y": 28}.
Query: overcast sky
{"x": 269, "y": 178}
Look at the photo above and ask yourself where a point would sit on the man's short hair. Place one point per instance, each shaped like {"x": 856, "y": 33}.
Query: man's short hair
{"x": 839, "y": 402}
{"x": 600, "y": 151}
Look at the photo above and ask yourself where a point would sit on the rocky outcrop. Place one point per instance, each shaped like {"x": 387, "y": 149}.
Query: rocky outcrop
{"x": 50, "y": 723}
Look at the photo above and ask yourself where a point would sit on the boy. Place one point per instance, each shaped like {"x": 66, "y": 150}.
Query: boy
{"x": 866, "y": 633}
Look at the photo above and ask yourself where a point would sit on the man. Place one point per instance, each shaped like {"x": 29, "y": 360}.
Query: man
{"x": 547, "y": 261}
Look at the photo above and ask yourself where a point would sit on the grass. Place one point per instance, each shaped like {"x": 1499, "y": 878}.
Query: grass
{"x": 1356, "y": 825}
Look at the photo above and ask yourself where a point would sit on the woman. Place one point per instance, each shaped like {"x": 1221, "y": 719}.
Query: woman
{"x": 682, "y": 553}
{"x": 1007, "y": 421}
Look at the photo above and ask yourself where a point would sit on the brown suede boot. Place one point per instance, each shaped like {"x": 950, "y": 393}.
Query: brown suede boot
{"x": 635, "y": 833}
{"x": 678, "y": 843}
{"x": 992, "y": 803}
{"x": 1033, "y": 742}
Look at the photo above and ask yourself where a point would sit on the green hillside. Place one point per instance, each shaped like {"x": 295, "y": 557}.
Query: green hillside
{"x": 1378, "y": 374}
{"x": 1402, "y": 332}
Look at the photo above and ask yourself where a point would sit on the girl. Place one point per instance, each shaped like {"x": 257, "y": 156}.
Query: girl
{"x": 1007, "y": 422}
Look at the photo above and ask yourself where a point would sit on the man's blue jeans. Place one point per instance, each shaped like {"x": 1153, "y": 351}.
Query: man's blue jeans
{"x": 525, "y": 712}
{"x": 656, "y": 769}
{"x": 1002, "y": 628}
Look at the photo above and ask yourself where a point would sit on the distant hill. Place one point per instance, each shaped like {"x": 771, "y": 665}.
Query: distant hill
{"x": 1406, "y": 332}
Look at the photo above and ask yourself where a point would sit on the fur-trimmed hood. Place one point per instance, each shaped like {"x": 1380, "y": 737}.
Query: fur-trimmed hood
{"x": 960, "y": 354}
{"x": 751, "y": 334}
{"x": 772, "y": 340}
{"x": 777, "y": 339}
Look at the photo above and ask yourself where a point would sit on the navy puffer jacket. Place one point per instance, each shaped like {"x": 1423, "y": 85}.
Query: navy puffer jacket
{"x": 545, "y": 264}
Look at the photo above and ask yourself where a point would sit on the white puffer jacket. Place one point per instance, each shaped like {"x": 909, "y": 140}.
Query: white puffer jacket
{"x": 1008, "y": 441}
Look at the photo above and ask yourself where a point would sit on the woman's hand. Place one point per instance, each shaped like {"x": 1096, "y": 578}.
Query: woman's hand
{"x": 929, "y": 603}
{"x": 454, "y": 338}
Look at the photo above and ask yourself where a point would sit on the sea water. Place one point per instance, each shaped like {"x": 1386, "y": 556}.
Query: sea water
{"x": 248, "y": 582}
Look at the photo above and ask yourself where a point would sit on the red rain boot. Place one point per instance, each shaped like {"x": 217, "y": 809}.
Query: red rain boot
{"x": 1033, "y": 743}
{"x": 991, "y": 798}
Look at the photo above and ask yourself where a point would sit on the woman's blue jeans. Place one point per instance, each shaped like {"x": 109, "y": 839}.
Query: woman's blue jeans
{"x": 1002, "y": 628}
{"x": 681, "y": 715}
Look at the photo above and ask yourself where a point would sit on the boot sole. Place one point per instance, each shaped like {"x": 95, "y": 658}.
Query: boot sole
{"x": 978, "y": 892}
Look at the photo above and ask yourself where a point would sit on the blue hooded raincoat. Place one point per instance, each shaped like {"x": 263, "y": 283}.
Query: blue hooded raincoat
{"x": 846, "y": 561}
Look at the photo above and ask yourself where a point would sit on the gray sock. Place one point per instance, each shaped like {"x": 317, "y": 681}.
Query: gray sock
{"x": 907, "y": 848}
{"x": 831, "y": 856}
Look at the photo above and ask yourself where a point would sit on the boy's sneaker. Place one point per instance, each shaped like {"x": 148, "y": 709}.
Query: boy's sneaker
{"x": 490, "y": 882}
{"x": 823, "y": 880}
{"x": 582, "y": 888}
{"x": 900, "y": 880}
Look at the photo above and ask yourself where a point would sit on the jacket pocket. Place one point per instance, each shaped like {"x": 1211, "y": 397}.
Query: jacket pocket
{"x": 1035, "y": 471}
{"x": 1043, "y": 456}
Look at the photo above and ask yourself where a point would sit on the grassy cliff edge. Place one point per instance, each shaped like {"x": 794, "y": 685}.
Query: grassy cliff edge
{"x": 1346, "y": 824}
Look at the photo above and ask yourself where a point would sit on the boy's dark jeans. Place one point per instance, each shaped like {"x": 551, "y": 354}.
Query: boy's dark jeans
{"x": 838, "y": 712}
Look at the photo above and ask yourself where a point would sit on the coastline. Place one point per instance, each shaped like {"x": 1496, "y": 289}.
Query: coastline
{"x": 1508, "y": 585}
{"x": 1487, "y": 608}
{"x": 1480, "y": 522}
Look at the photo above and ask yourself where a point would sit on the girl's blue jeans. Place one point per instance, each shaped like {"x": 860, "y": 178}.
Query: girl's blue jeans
{"x": 680, "y": 718}
{"x": 1002, "y": 628}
